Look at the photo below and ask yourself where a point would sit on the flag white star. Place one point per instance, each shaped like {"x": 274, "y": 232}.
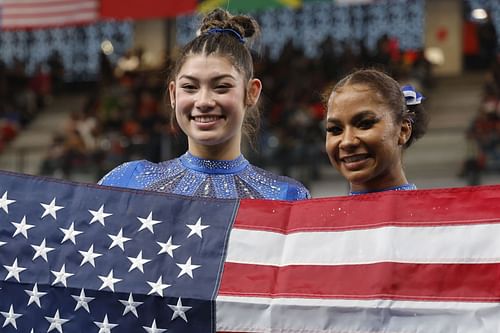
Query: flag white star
{"x": 13, "y": 270}
{"x": 153, "y": 328}
{"x": 197, "y": 228}
{"x": 22, "y": 228}
{"x": 51, "y": 209}
{"x": 2, "y": 243}
{"x": 148, "y": 223}
{"x": 105, "y": 326}
{"x": 157, "y": 287}
{"x": 118, "y": 240}
{"x": 108, "y": 281}
{"x": 61, "y": 276}
{"x": 187, "y": 268}
{"x": 99, "y": 215}
{"x": 70, "y": 233}
{"x": 82, "y": 301}
{"x": 5, "y": 202}
{"x": 130, "y": 305}
{"x": 35, "y": 295}
{"x": 89, "y": 256}
{"x": 56, "y": 322}
{"x": 41, "y": 250}
{"x": 138, "y": 262}
{"x": 179, "y": 310}
{"x": 168, "y": 247}
{"x": 10, "y": 317}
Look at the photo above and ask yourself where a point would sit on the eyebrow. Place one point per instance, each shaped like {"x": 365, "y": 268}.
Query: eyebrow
{"x": 216, "y": 78}
{"x": 356, "y": 117}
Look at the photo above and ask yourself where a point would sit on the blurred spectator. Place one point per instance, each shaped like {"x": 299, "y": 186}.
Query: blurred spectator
{"x": 41, "y": 85}
{"x": 22, "y": 97}
{"x": 487, "y": 36}
{"x": 483, "y": 134}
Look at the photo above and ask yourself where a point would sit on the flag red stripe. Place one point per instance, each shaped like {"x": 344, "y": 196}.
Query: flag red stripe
{"x": 397, "y": 208}
{"x": 445, "y": 282}
{"x": 124, "y": 9}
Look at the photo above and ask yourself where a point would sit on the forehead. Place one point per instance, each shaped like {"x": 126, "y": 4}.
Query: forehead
{"x": 353, "y": 97}
{"x": 200, "y": 65}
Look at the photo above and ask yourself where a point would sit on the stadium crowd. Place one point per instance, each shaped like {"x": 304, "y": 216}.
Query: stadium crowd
{"x": 126, "y": 117}
{"x": 24, "y": 96}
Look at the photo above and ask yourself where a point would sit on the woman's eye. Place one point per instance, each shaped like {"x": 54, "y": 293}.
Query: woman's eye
{"x": 188, "y": 87}
{"x": 334, "y": 130}
{"x": 222, "y": 88}
{"x": 367, "y": 123}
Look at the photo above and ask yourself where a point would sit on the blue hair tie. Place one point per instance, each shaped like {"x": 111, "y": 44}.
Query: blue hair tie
{"x": 412, "y": 97}
{"x": 229, "y": 31}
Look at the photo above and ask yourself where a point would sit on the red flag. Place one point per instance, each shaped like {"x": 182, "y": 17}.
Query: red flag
{"x": 144, "y": 9}
{"x": 27, "y": 14}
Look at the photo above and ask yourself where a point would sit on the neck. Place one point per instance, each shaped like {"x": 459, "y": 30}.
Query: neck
{"x": 215, "y": 153}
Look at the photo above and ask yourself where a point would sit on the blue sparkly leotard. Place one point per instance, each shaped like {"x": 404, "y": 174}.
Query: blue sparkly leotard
{"x": 193, "y": 176}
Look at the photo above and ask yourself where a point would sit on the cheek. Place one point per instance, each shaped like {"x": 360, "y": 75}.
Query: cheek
{"x": 330, "y": 147}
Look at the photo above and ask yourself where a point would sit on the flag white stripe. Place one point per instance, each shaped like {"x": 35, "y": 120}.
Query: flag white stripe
{"x": 35, "y": 2}
{"x": 448, "y": 244}
{"x": 243, "y": 314}
{"x": 53, "y": 9}
{"x": 49, "y": 20}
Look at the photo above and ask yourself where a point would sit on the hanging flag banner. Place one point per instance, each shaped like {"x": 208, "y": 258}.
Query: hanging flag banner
{"x": 82, "y": 257}
{"x": 145, "y": 9}
{"x": 22, "y": 14}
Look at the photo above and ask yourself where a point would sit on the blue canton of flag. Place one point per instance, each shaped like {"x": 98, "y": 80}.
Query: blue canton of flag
{"x": 85, "y": 258}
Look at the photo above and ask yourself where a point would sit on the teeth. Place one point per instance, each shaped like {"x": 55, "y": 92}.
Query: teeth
{"x": 206, "y": 119}
{"x": 356, "y": 158}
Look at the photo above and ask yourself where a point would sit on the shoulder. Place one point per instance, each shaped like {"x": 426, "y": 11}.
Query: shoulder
{"x": 138, "y": 174}
{"x": 122, "y": 175}
{"x": 290, "y": 189}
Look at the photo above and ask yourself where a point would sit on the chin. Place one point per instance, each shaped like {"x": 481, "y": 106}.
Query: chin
{"x": 356, "y": 179}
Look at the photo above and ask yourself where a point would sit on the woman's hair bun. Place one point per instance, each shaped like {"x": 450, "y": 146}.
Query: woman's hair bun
{"x": 246, "y": 26}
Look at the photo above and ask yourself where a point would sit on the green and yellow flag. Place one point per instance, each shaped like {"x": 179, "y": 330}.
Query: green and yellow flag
{"x": 242, "y": 6}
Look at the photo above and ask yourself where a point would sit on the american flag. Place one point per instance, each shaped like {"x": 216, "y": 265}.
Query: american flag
{"x": 78, "y": 257}
{"x": 23, "y": 14}
{"x": 83, "y": 258}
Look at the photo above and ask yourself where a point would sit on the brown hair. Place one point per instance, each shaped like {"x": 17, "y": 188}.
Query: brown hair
{"x": 392, "y": 96}
{"x": 228, "y": 45}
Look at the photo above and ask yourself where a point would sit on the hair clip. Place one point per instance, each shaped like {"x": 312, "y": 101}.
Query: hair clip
{"x": 412, "y": 97}
{"x": 229, "y": 31}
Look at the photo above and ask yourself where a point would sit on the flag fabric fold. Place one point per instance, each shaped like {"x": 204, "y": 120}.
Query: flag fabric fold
{"x": 77, "y": 257}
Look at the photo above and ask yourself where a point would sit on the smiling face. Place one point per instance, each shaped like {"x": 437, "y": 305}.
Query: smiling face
{"x": 210, "y": 97}
{"x": 363, "y": 141}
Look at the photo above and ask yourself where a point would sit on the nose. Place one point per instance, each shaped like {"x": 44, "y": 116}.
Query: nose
{"x": 349, "y": 139}
{"x": 204, "y": 100}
